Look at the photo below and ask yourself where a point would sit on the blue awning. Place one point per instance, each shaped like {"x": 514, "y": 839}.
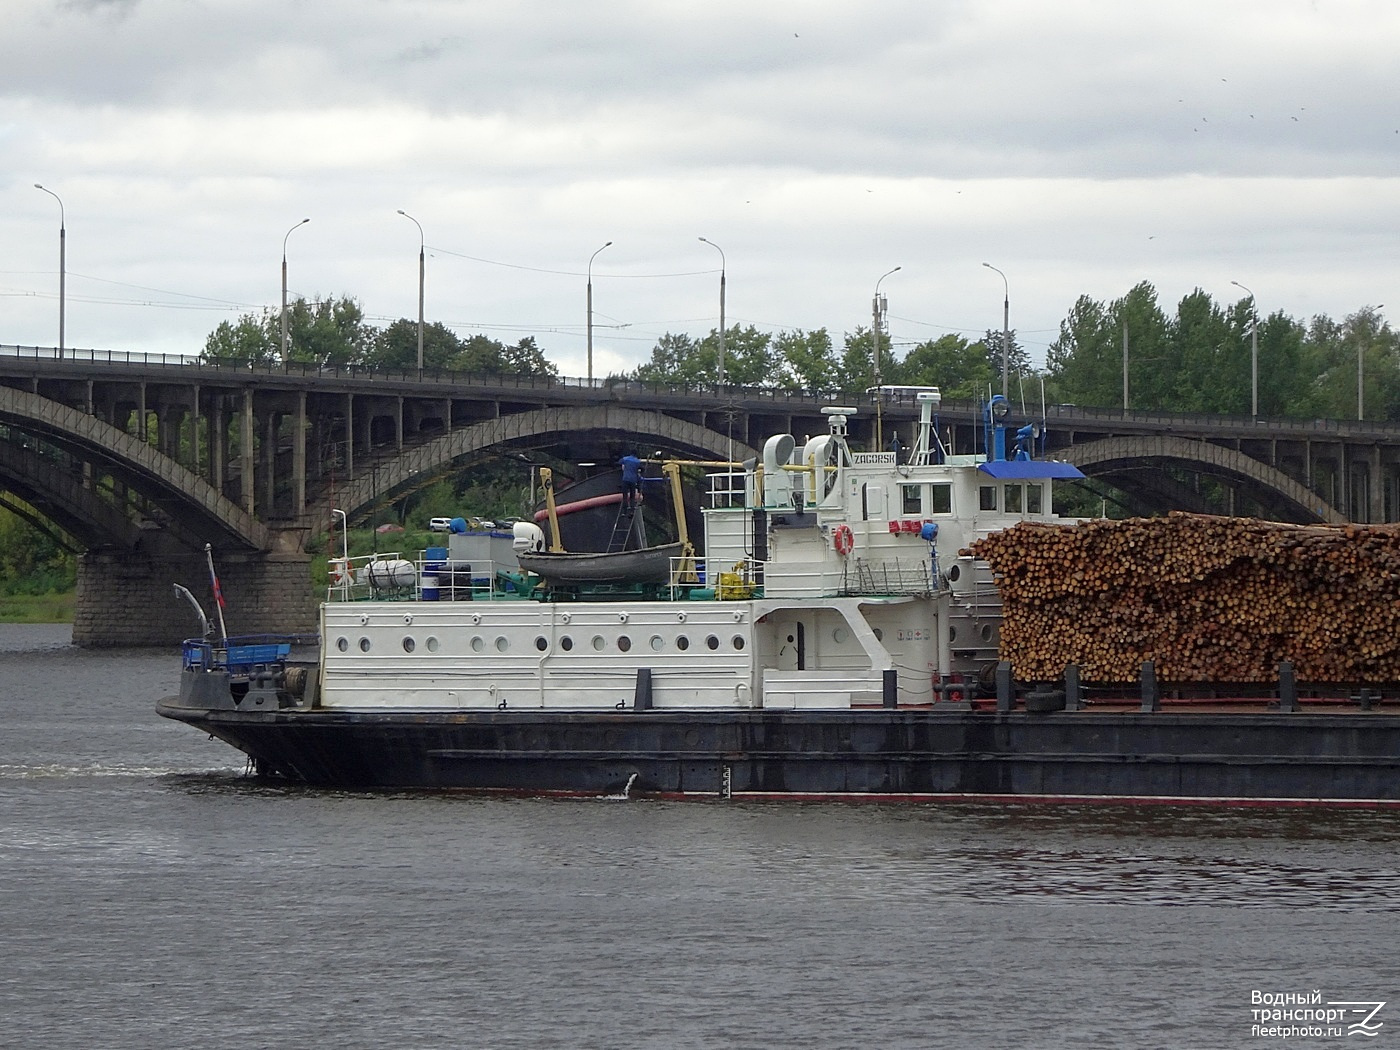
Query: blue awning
{"x": 1023, "y": 469}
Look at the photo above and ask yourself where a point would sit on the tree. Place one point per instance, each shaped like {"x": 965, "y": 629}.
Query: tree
{"x": 681, "y": 360}
{"x": 250, "y": 340}
{"x": 675, "y": 360}
{"x": 1337, "y": 349}
{"x": 397, "y": 345}
{"x": 328, "y": 332}
{"x": 1214, "y": 369}
{"x": 526, "y": 359}
{"x": 1081, "y": 359}
{"x": 958, "y": 368}
{"x": 804, "y": 361}
{"x": 491, "y": 357}
{"x": 748, "y": 356}
{"x": 1018, "y": 361}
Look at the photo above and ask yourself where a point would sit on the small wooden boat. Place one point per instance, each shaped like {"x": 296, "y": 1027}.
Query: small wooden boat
{"x": 567, "y": 569}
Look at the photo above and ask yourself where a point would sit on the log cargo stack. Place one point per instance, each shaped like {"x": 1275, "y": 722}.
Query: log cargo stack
{"x": 1207, "y": 599}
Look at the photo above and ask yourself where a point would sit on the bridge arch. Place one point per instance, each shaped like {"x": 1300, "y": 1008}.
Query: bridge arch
{"x": 1118, "y": 459}
{"x": 417, "y": 467}
{"x": 192, "y": 507}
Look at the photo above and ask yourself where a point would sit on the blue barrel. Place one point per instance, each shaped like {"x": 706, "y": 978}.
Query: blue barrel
{"x": 430, "y": 588}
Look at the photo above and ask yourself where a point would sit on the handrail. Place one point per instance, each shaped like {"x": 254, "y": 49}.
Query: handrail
{"x": 612, "y": 386}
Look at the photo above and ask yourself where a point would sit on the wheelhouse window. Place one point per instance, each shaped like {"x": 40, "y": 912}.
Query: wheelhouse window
{"x": 1034, "y": 497}
{"x": 987, "y": 497}
{"x": 1011, "y": 500}
{"x": 942, "y": 498}
{"x": 912, "y": 499}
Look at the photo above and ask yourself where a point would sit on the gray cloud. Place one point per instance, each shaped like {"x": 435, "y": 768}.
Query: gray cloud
{"x": 1087, "y": 146}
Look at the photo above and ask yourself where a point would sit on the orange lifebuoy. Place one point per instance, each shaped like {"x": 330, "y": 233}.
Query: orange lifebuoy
{"x": 843, "y": 539}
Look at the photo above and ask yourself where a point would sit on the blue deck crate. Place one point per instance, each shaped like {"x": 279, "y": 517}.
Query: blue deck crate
{"x": 257, "y": 654}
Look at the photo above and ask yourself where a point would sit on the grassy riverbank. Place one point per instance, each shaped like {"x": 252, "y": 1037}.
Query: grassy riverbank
{"x": 58, "y": 608}
{"x": 37, "y": 608}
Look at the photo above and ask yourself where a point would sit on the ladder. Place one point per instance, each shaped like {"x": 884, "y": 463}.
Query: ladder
{"x": 625, "y": 527}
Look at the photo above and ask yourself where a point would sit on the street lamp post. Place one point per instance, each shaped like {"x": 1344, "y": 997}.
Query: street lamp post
{"x": 590, "y": 312}
{"x": 722, "y": 267}
{"x": 1005, "y": 330}
{"x": 1361, "y": 373}
{"x": 62, "y": 260}
{"x": 878, "y": 311}
{"x": 284, "y": 288}
{"x": 422, "y": 248}
{"x": 717, "y": 248}
{"x": 1254, "y": 352}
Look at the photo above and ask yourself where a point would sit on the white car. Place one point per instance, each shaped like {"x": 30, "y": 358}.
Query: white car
{"x": 440, "y": 524}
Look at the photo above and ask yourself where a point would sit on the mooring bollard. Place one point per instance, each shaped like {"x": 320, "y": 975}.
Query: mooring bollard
{"x": 641, "y": 698}
{"x": 1074, "y": 696}
{"x": 1151, "y": 698}
{"x": 1287, "y": 687}
{"x": 1005, "y": 697}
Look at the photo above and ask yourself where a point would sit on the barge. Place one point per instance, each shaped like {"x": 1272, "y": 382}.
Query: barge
{"x": 836, "y": 640}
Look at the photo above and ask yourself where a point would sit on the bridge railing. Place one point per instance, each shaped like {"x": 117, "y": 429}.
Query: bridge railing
{"x": 758, "y": 398}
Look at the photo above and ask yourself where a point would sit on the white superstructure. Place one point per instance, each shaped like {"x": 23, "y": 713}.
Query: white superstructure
{"x": 835, "y": 582}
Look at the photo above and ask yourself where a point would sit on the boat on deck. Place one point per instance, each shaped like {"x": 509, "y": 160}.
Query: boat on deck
{"x": 581, "y": 569}
{"x": 837, "y": 640}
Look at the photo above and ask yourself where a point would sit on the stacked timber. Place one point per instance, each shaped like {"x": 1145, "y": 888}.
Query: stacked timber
{"x": 1207, "y": 599}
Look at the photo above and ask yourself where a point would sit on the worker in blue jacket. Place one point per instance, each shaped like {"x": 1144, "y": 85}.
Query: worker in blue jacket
{"x": 631, "y": 481}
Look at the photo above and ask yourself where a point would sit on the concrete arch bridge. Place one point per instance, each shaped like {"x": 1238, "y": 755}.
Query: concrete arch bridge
{"x": 140, "y": 460}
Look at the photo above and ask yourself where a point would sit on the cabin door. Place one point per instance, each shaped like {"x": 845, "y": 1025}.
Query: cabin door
{"x": 792, "y": 645}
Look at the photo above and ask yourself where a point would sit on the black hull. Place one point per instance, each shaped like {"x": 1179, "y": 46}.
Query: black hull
{"x": 1299, "y": 758}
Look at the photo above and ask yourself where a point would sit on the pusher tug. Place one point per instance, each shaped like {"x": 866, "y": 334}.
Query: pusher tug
{"x": 836, "y": 641}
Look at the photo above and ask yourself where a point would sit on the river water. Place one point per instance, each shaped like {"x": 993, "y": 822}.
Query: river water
{"x": 152, "y": 896}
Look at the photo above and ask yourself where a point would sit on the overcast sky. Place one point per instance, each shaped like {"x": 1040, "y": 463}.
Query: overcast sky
{"x": 1078, "y": 146}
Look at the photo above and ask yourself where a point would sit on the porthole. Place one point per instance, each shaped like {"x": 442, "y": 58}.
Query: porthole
{"x": 952, "y": 633}
{"x": 541, "y": 643}
{"x": 879, "y": 635}
{"x": 711, "y": 642}
{"x": 682, "y": 643}
{"x": 986, "y": 632}
{"x": 598, "y": 643}
{"x": 566, "y": 643}
{"x": 657, "y": 643}
{"x": 624, "y": 644}
{"x": 502, "y": 643}
{"x": 432, "y": 644}
{"x": 839, "y": 635}
{"x": 953, "y": 573}
{"x": 738, "y": 642}
{"x": 364, "y": 645}
{"x": 409, "y": 645}
{"x": 343, "y": 644}
{"x": 478, "y": 645}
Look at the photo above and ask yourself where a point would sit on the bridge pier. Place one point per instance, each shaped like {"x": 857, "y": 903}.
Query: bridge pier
{"x": 129, "y": 599}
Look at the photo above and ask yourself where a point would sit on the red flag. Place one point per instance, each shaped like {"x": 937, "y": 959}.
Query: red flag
{"x": 214, "y": 576}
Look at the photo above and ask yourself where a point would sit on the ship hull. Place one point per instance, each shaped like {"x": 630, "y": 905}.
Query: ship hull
{"x": 1256, "y": 758}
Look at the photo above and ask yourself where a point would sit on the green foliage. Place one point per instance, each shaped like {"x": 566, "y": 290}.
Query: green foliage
{"x": 960, "y": 369}
{"x": 397, "y": 345}
{"x": 334, "y": 332}
{"x": 1201, "y": 359}
{"x": 492, "y": 357}
{"x": 684, "y": 361}
{"x": 1018, "y": 360}
{"x": 32, "y": 562}
{"x": 1198, "y": 359}
{"x": 803, "y": 361}
{"x": 252, "y": 339}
